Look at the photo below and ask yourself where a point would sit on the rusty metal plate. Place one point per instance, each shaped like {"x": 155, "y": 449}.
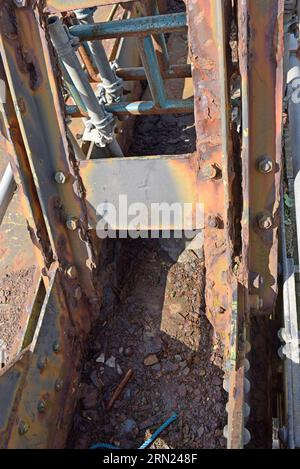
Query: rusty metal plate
{"x": 37, "y": 391}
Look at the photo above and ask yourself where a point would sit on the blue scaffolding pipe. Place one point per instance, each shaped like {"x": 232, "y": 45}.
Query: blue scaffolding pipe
{"x": 132, "y": 27}
{"x": 176, "y": 106}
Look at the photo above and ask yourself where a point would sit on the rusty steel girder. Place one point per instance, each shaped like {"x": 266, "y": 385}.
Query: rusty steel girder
{"x": 209, "y": 24}
{"x": 42, "y": 152}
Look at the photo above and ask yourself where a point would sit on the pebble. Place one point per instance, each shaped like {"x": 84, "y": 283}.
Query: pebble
{"x": 101, "y": 358}
{"x": 111, "y": 362}
{"x": 128, "y": 426}
{"x": 91, "y": 398}
{"x": 128, "y": 352}
{"x": 151, "y": 360}
{"x": 119, "y": 370}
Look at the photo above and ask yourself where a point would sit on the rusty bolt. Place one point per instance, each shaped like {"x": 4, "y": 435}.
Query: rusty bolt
{"x": 265, "y": 165}
{"x": 42, "y": 363}
{"x": 58, "y": 385}
{"x": 71, "y": 272}
{"x": 78, "y": 293}
{"x": 56, "y": 347}
{"x": 218, "y": 310}
{"x": 41, "y": 407}
{"x": 211, "y": 171}
{"x": 214, "y": 222}
{"x": 23, "y": 428}
{"x": 265, "y": 221}
{"x": 72, "y": 224}
{"x": 60, "y": 177}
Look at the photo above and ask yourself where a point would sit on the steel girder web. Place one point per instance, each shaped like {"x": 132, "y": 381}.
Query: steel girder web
{"x": 39, "y": 388}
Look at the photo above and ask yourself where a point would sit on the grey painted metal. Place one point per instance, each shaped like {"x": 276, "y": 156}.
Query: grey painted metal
{"x": 151, "y": 67}
{"x": 7, "y": 189}
{"x": 143, "y": 181}
{"x": 102, "y": 121}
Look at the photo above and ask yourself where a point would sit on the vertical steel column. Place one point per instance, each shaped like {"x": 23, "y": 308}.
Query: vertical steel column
{"x": 151, "y": 9}
{"x": 261, "y": 48}
{"x": 209, "y": 30}
{"x": 33, "y": 88}
{"x": 151, "y": 66}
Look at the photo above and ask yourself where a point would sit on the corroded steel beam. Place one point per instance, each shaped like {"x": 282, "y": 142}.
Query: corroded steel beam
{"x": 261, "y": 62}
{"x": 33, "y": 86}
{"x": 55, "y": 6}
{"x": 39, "y": 386}
{"x": 175, "y": 22}
{"x": 261, "y": 45}
{"x": 209, "y": 32}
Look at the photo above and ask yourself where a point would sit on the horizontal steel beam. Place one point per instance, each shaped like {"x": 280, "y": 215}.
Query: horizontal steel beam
{"x": 142, "y": 108}
{"x": 67, "y": 5}
{"x": 143, "y": 181}
{"x": 138, "y": 73}
{"x": 131, "y": 27}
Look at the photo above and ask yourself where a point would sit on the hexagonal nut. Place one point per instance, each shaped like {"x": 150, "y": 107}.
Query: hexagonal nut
{"x": 60, "y": 177}
{"x": 23, "y": 428}
{"x": 265, "y": 165}
{"x": 265, "y": 221}
{"x": 210, "y": 171}
{"x": 72, "y": 224}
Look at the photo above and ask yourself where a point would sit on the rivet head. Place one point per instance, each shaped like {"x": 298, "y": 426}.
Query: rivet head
{"x": 71, "y": 272}
{"x": 23, "y": 428}
{"x": 211, "y": 171}
{"x": 265, "y": 221}
{"x": 265, "y": 165}
{"x": 56, "y": 347}
{"x": 60, "y": 177}
{"x": 42, "y": 362}
{"x": 214, "y": 222}
{"x": 72, "y": 224}
{"x": 58, "y": 385}
{"x": 41, "y": 407}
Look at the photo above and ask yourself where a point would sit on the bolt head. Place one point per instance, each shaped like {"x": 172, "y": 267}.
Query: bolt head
{"x": 265, "y": 166}
{"x": 265, "y": 221}
{"x": 23, "y": 428}
{"x": 58, "y": 385}
{"x": 211, "y": 171}
{"x": 41, "y": 406}
{"x": 72, "y": 224}
{"x": 56, "y": 347}
{"x": 71, "y": 272}
{"x": 214, "y": 222}
{"x": 42, "y": 363}
{"x": 60, "y": 177}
